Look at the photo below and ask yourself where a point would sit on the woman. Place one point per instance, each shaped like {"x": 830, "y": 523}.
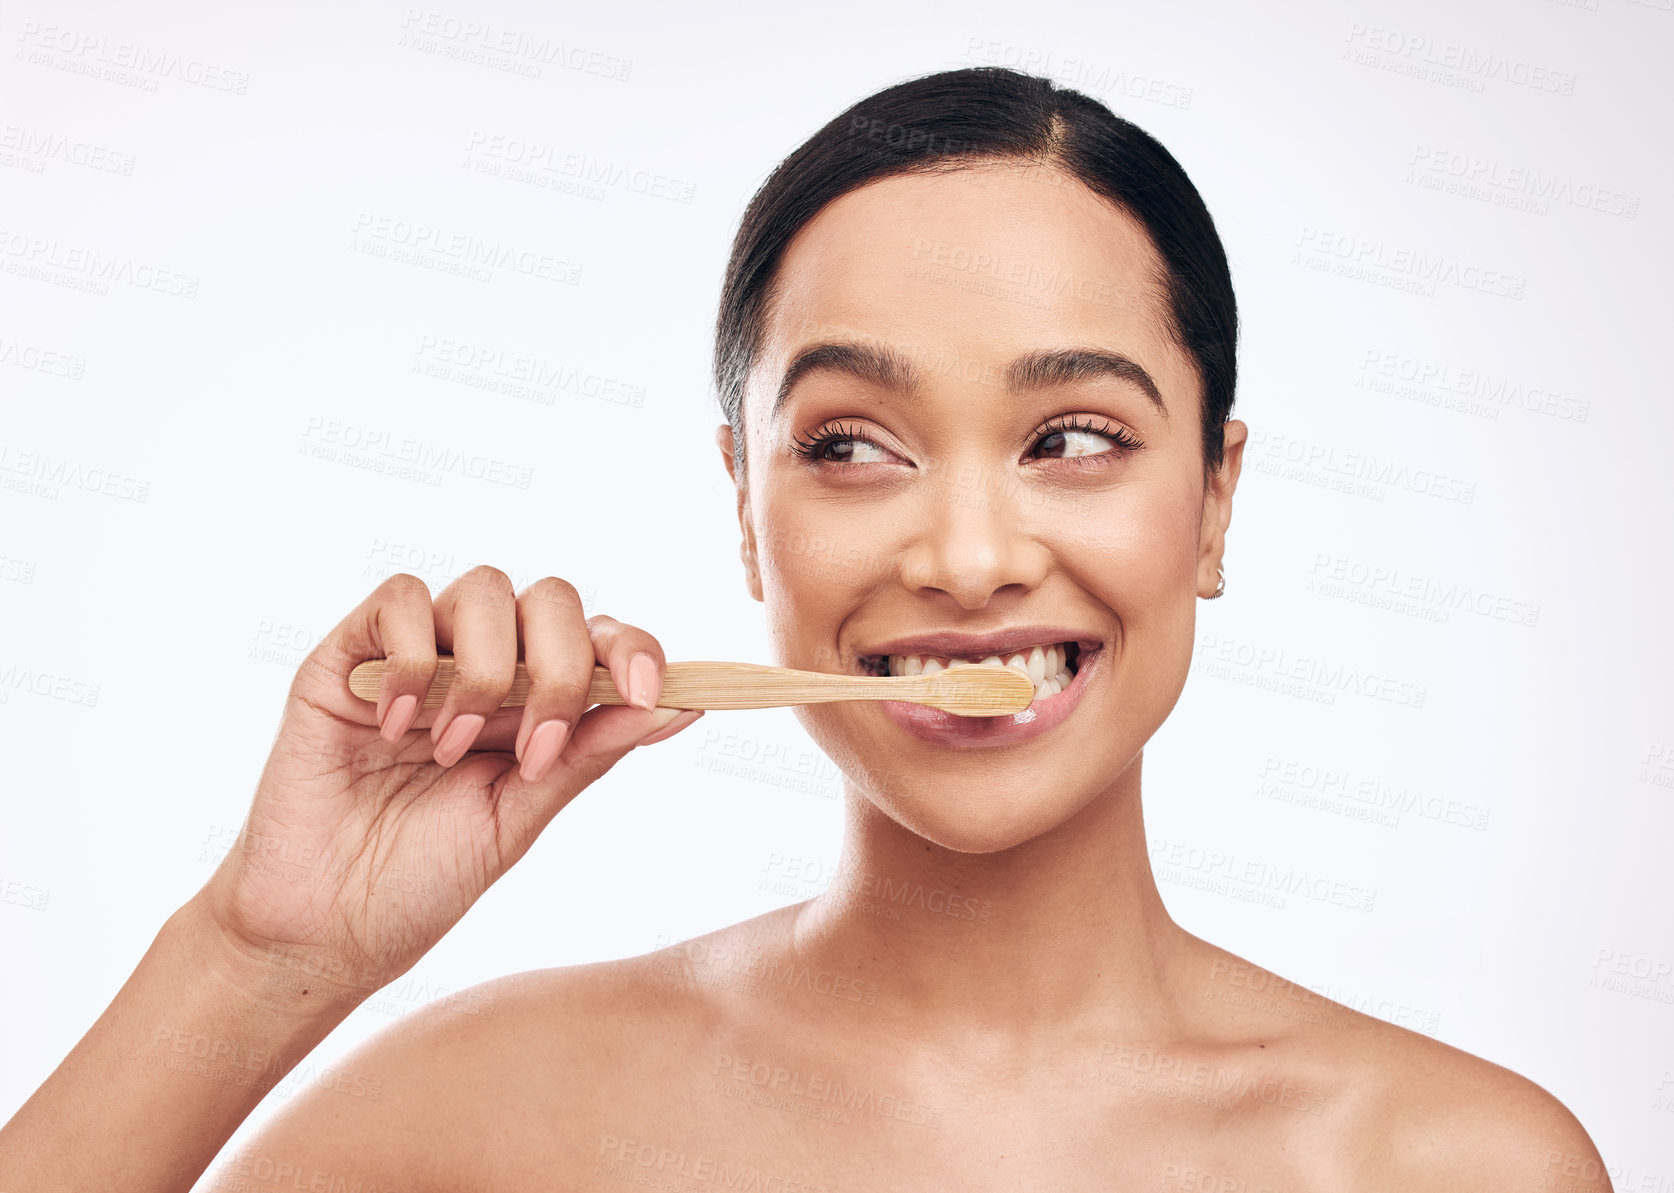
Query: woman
{"x": 976, "y": 352}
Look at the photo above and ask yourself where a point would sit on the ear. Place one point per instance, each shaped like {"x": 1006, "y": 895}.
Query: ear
{"x": 746, "y": 548}
{"x": 1217, "y": 507}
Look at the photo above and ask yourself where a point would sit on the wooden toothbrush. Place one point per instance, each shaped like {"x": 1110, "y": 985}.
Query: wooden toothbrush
{"x": 976, "y": 690}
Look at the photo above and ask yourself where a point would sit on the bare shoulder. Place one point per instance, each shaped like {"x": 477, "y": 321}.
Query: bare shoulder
{"x": 1444, "y": 1119}
{"x": 1408, "y": 1112}
{"x": 527, "y": 1059}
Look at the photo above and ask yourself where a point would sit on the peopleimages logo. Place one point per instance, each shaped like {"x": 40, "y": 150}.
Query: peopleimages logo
{"x": 548, "y": 161}
{"x": 1325, "y": 460}
{"x": 1365, "y": 797}
{"x": 1258, "y": 875}
{"x": 35, "y": 359}
{"x": 848, "y": 1096}
{"x": 505, "y": 49}
{"x": 46, "y": 146}
{"x": 1467, "y": 390}
{"x": 1099, "y": 79}
{"x": 18, "y": 467}
{"x": 1410, "y": 53}
{"x": 377, "y": 444}
{"x": 518, "y": 374}
{"x": 1500, "y": 182}
{"x": 48, "y": 258}
{"x": 1377, "y": 260}
{"x": 1309, "y": 677}
{"x": 383, "y": 232}
{"x": 1444, "y": 596}
{"x": 149, "y": 65}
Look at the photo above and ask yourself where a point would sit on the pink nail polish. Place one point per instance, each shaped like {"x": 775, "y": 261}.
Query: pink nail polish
{"x": 673, "y": 727}
{"x": 642, "y": 678}
{"x": 545, "y": 744}
{"x": 461, "y": 731}
{"x": 400, "y": 716}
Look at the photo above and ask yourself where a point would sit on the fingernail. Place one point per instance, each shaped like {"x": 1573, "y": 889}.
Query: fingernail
{"x": 545, "y": 744}
{"x": 674, "y": 726}
{"x": 461, "y": 731}
{"x": 399, "y": 717}
{"x": 642, "y": 681}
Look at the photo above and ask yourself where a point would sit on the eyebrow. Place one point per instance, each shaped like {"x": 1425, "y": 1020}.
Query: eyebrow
{"x": 890, "y": 370}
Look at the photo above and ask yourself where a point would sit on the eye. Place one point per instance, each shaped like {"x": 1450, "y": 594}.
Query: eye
{"x": 837, "y": 444}
{"x": 1076, "y": 438}
{"x": 1064, "y": 438}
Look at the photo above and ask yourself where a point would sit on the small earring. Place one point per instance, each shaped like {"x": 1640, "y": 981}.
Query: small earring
{"x": 1220, "y": 589}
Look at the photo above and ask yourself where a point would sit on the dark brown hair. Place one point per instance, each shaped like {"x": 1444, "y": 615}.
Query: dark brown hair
{"x": 965, "y": 117}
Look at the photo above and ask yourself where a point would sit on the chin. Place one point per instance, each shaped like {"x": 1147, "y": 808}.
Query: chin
{"x": 972, "y": 808}
{"x": 956, "y": 827}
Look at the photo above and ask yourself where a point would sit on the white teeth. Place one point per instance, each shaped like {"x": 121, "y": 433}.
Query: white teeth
{"x": 1046, "y": 666}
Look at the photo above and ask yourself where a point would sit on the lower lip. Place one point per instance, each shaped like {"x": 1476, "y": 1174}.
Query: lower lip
{"x": 943, "y": 728}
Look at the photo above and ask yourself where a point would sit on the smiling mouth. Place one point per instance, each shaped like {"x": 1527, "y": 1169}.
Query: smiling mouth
{"x": 1051, "y": 666}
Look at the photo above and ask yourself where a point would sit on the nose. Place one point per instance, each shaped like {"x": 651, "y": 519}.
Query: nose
{"x": 975, "y": 542}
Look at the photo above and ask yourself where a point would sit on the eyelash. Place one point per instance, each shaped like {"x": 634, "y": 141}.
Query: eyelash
{"x": 1125, "y": 441}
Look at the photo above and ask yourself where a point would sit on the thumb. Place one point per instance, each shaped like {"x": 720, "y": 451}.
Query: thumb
{"x": 674, "y": 724}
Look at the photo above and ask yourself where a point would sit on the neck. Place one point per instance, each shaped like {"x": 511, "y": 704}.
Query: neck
{"x": 1065, "y": 932}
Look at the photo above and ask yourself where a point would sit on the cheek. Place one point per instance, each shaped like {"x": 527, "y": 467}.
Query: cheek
{"x": 816, "y": 559}
{"x": 1136, "y": 552}
{"x": 1155, "y": 599}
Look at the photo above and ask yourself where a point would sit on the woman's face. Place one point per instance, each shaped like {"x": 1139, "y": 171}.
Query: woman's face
{"x": 974, "y": 449}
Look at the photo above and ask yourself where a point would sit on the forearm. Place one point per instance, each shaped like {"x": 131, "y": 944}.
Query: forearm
{"x": 156, "y": 1087}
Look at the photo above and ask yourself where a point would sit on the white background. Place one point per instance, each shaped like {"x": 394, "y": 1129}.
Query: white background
{"x": 1520, "y": 854}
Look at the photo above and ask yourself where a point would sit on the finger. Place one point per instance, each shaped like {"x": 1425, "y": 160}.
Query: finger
{"x": 558, "y": 654}
{"x": 393, "y": 623}
{"x": 634, "y": 657}
{"x": 406, "y": 626}
{"x": 500, "y": 734}
{"x": 476, "y": 622}
{"x": 687, "y": 718}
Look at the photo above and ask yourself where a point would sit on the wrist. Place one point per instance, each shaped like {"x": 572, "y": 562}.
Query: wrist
{"x": 294, "y": 984}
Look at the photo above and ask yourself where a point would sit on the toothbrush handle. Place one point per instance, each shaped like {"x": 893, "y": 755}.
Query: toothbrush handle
{"x": 990, "y": 691}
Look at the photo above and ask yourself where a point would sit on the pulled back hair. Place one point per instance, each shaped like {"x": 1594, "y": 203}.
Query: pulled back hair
{"x": 974, "y": 116}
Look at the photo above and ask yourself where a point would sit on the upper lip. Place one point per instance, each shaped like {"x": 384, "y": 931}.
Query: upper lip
{"x": 955, "y": 645}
